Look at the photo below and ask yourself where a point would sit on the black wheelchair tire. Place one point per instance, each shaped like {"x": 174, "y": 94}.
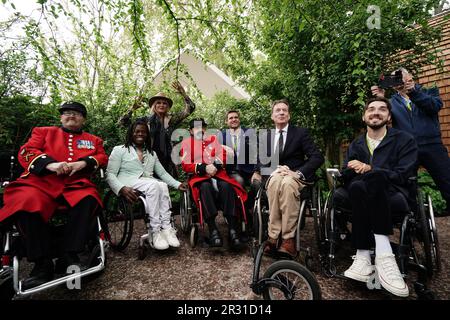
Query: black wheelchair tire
{"x": 193, "y": 236}
{"x": 127, "y": 229}
{"x": 424, "y": 229}
{"x": 7, "y": 288}
{"x": 436, "y": 250}
{"x": 296, "y": 269}
{"x": 92, "y": 262}
{"x": 185, "y": 214}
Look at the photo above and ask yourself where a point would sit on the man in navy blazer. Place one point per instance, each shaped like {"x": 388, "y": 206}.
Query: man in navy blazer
{"x": 288, "y": 156}
{"x": 416, "y": 111}
{"x": 243, "y": 141}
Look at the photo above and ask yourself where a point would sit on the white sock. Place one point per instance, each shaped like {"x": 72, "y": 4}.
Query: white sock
{"x": 363, "y": 253}
{"x": 382, "y": 244}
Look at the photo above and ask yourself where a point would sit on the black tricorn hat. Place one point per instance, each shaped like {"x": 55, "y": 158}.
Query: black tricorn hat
{"x": 195, "y": 122}
{"x": 73, "y": 105}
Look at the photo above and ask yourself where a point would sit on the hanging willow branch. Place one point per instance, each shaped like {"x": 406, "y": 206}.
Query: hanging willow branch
{"x": 177, "y": 25}
{"x": 137, "y": 30}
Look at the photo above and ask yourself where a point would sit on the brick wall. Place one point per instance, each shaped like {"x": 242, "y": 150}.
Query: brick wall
{"x": 430, "y": 75}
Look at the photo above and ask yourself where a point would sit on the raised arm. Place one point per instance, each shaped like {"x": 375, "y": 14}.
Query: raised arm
{"x": 189, "y": 105}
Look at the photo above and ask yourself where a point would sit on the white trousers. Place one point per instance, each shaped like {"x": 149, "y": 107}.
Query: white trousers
{"x": 157, "y": 202}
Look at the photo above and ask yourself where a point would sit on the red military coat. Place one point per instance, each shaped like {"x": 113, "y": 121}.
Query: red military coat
{"x": 37, "y": 188}
{"x": 195, "y": 153}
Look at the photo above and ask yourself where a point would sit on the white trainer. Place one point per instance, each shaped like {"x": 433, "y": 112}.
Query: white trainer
{"x": 390, "y": 277}
{"x": 159, "y": 242}
{"x": 170, "y": 234}
{"x": 360, "y": 270}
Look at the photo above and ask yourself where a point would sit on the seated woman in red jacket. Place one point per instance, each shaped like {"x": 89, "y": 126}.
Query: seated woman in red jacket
{"x": 204, "y": 157}
{"x": 58, "y": 163}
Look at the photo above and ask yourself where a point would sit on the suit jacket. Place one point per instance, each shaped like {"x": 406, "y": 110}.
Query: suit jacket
{"x": 125, "y": 168}
{"x": 246, "y": 157}
{"x": 299, "y": 152}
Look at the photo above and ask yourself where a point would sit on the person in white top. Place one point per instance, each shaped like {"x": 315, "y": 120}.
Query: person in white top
{"x": 131, "y": 168}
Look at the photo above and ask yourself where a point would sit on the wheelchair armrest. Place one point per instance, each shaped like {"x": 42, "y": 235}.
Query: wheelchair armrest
{"x": 333, "y": 173}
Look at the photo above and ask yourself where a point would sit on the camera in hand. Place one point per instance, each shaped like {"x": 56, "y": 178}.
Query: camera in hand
{"x": 390, "y": 81}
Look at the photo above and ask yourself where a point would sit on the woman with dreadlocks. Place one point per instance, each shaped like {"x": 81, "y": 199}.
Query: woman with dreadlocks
{"x": 130, "y": 169}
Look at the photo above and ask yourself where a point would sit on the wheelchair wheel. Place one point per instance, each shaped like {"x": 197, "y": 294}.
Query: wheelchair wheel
{"x": 142, "y": 252}
{"x": 261, "y": 216}
{"x": 193, "y": 236}
{"x": 6, "y": 286}
{"x": 185, "y": 212}
{"x": 325, "y": 219}
{"x": 422, "y": 235}
{"x": 94, "y": 260}
{"x": 436, "y": 252}
{"x": 119, "y": 220}
{"x": 300, "y": 282}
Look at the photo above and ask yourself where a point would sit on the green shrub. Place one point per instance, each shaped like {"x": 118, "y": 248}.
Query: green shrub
{"x": 429, "y": 187}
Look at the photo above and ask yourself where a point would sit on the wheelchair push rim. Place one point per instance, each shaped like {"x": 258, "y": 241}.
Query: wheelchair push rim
{"x": 119, "y": 219}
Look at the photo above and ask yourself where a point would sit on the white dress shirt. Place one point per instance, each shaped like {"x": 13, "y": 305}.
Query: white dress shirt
{"x": 277, "y": 137}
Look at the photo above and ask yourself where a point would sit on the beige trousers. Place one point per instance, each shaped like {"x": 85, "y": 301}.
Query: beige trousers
{"x": 283, "y": 193}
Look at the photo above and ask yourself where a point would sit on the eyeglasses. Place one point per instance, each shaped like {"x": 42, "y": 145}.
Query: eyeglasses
{"x": 72, "y": 113}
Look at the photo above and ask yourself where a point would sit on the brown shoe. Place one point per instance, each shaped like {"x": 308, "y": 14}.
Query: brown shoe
{"x": 271, "y": 246}
{"x": 288, "y": 247}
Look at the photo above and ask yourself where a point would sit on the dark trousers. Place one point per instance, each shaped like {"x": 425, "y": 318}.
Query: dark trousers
{"x": 225, "y": 198}
{"x": 434, "y": 158}
{"x": 244, "y": 178}
{"x": 372, "y": 201}
{"x": 37, "y": 234}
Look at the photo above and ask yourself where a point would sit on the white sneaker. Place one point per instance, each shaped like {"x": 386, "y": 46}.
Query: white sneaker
{"x": 170, "y": 234}
{"x": 158, "y": 241}
{"x": 360, "y": 270}
{"x": 390, "y": 277}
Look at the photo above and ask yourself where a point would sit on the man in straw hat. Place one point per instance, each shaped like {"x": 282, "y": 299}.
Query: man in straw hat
{"x": 162, "y": 124}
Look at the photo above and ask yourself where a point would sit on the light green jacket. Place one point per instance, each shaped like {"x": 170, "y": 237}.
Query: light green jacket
{"x": 125, "y": 169}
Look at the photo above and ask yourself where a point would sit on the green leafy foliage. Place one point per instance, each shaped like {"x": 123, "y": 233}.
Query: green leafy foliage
{"x": 429, "y": 188}
{"x": 319, "y": 54}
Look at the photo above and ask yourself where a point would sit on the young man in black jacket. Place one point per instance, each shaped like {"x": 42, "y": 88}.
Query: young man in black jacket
{"x": 376, "y": 172}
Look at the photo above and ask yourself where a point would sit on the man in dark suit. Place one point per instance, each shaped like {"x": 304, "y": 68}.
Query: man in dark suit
{"x": 288, "y": 156}
{"x": 243, "y": 141}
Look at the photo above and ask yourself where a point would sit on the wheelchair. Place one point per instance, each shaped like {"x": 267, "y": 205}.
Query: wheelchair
{"x": 12, "y": 250}
{"x": 120, "y": 217}
{"x": 285, "y": 278}
{"x": 417, "y": 248}
{"x": 310, "y": 206}
{"x": 191, "y": 216}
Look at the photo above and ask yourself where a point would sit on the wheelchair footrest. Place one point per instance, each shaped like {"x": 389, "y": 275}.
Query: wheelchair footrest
{"x": 374, "y": 281}
{"x": 65, "y": 279}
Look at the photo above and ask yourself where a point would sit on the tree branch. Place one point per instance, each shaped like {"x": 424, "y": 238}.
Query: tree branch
{"x": 177, "y": 24}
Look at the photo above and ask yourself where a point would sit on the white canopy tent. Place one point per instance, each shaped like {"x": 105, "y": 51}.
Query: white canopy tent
{"x": 207, "y": 77}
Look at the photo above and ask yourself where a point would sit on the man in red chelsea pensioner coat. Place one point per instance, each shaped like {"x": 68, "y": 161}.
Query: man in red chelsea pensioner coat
{"x": 58, "y": 162}
{"x": 204, "y": 157}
